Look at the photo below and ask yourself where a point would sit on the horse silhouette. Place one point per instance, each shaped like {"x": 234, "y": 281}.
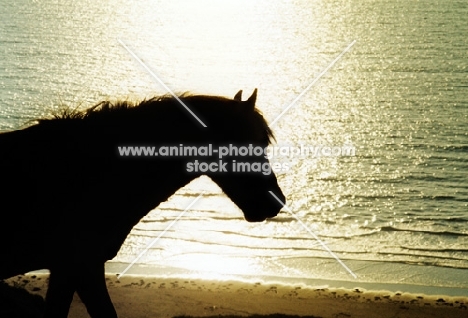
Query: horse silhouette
{"x": 69, "y": 198}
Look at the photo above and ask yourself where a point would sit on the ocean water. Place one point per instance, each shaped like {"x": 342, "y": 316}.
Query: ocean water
{"x": 394, "y": 212}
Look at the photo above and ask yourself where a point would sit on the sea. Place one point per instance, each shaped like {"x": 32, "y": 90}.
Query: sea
{"x": 386, "y": 79}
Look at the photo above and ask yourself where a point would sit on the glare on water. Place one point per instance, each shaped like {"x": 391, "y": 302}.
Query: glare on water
{"x": 398, "y": 96}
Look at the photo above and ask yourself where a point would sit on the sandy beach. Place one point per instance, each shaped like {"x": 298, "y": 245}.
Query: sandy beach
{"x": 138, "y": 297}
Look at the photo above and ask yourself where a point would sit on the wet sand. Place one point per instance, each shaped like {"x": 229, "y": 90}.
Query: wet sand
{"x": 138, "y": 296}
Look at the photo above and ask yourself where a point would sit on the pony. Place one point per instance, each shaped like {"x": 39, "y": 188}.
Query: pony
{"x": 70, "y": 196}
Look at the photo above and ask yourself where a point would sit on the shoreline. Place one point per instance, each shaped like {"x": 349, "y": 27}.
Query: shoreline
{"x": 144, "y": 296}
{"x": 340, "y": 282}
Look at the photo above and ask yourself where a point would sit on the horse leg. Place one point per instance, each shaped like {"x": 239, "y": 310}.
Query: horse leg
{"x": 93, "y": 292}
{"x": 60, "y": 293}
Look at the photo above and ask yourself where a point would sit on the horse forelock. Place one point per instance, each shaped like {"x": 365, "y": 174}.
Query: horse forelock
{"x": 269, "y": 135}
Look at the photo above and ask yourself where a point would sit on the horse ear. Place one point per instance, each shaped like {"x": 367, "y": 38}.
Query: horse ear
{"x": 252, "y": 99}
{"x": 238, "y": 96}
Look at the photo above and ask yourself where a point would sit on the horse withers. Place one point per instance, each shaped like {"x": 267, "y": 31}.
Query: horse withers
{"x": 70, "y": 194}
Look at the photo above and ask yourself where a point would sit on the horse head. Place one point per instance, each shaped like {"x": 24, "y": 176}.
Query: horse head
{"x": 249, "y": 179}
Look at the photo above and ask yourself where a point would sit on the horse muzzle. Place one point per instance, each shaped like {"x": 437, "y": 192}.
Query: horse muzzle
{"x": 273, "y": 208}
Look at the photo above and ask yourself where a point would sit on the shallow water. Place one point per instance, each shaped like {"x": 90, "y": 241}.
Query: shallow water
{"x": 395, "y": 212}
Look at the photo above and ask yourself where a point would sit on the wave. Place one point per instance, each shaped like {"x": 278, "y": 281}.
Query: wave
{"x": 418, "y": 262}
{"x": 439, "y": 250}
{"x": 439, "y": 233}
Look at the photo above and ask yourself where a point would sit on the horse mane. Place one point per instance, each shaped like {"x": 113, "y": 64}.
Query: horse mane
{"x": 150, "y": 108}
{"x": 109, "y": 109}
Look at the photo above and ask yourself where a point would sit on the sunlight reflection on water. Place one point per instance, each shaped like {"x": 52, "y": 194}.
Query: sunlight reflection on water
{"x": 399, "y": 96}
